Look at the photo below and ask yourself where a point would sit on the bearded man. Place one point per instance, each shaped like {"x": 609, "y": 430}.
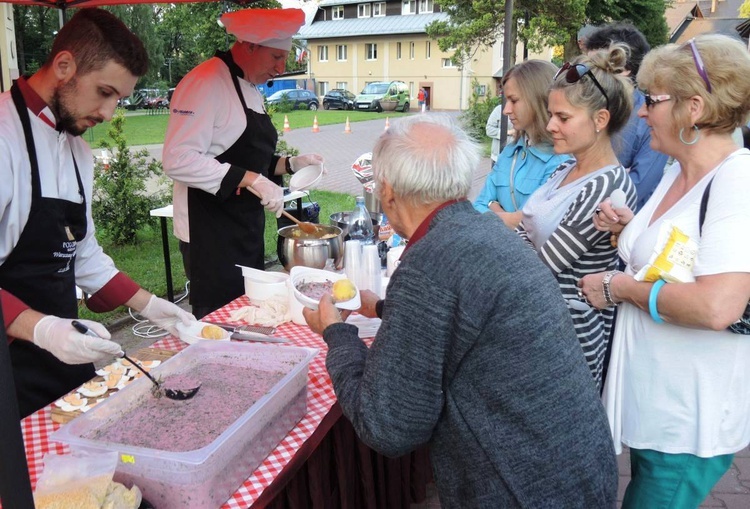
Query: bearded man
{"x": 47, "y": 242}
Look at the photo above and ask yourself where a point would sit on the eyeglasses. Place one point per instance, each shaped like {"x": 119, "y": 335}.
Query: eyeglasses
{"x": 577, "y": 71}
{"x": 699, "y": 64}
{"x": 655, "y": 99}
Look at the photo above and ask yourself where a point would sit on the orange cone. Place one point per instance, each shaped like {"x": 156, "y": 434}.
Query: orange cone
{"x": 387, "y": 123}
{"x": 347, "y": 127}
{"x": 316, "y": 129}
{"x": 286, "y": 124}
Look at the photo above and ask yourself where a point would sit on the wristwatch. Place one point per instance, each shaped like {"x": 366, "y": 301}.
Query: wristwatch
{"x": 606, "y": 289}
{"x": 491, "y": 202}
{"x": 288, "y": 165}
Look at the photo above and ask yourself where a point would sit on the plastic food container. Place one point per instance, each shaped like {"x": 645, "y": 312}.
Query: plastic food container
{"x": 309, "y": 275}
{"x": 262, "y": 285}
{"x": 205, "y": 477}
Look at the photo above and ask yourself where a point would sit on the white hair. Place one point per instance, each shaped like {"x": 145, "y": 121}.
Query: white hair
{"x": 426, "y": 159}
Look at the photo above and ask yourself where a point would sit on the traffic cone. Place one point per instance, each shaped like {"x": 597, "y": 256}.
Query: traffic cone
{"x": 347, "y": 127}
{"x": 316, "y": 129}
{"x": 387, "y": 123}
{"x": 286, "y": 124}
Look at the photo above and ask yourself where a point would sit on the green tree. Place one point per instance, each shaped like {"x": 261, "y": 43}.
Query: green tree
{"x": 35, "y": 28}
{"x": 121, "y": 205}
{"x": 143, "y": 20}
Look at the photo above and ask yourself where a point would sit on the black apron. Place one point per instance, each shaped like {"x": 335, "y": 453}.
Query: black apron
{"x": 41, "y": 272}
{"x": 225, "y": 232}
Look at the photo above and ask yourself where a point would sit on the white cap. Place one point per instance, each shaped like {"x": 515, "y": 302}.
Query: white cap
{"x": 268, "y": 27}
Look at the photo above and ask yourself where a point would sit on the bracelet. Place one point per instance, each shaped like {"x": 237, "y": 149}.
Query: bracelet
{"x": 491, "y": 202}
{"x": 606, "y": 287}
{"x": 288, "y": 165}
{"x": 652, "y": 301}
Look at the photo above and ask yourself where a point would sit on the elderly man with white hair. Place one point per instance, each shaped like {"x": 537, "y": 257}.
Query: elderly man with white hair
{"x": 476, "y": 356}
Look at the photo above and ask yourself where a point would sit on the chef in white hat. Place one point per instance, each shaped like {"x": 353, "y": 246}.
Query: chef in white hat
{"x": 220, "y": 141}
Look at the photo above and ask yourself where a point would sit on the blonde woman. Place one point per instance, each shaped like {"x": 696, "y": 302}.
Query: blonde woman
{"x": 528, "y": 161}
{"x": 589, "y": 102}
{"x": 677, "y": 389}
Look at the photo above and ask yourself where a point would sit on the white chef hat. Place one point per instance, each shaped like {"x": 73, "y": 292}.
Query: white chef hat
{"x": 268, "y": 27}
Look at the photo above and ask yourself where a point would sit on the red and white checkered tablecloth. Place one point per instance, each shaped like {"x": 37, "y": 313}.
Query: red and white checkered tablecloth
{"x": 320, "y": 398}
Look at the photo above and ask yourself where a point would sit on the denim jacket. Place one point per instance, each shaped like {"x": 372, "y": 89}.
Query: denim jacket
{"x": 534, "y": 164}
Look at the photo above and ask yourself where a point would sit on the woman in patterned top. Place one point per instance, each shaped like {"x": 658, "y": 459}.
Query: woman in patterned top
{"x": 589, "y": 101}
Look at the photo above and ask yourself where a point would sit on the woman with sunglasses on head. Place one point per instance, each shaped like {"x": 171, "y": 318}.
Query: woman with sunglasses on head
{"x": 677, "y": 390}
{"x": 528, "y": 161}
{"x": 589, "y": 101}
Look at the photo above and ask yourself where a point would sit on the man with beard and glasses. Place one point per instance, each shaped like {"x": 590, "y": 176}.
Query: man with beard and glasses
{"x": 47, "y": 244}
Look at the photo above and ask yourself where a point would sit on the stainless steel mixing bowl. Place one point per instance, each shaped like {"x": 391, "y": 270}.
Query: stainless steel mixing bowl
{"x": 297, "y": 248}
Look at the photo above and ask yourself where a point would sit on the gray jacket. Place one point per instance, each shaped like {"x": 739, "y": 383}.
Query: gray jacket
{"x": 477, "y": 358}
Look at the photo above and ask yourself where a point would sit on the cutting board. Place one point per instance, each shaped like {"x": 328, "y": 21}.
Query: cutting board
{"x": 145, "y": 354}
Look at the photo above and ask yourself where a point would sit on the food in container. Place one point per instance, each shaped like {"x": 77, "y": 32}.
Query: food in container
{"x": 317, "y": 282}
{"x": 299, "y": 249}
{"x": 193, "y": 332}
{"x": 206, "y": 476}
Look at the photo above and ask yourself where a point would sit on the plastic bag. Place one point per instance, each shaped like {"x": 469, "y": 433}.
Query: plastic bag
{"x": 673, "y": 257}
{"x": 81, "y": 481}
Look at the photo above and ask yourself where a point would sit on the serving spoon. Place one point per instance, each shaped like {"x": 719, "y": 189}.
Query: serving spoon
{"x": 305, "y": 226}
{"x": 176, "y": 394}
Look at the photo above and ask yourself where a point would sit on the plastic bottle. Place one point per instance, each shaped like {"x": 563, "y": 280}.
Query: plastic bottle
{"x": 386, "y": 230}
{"x": 360, "y": 222}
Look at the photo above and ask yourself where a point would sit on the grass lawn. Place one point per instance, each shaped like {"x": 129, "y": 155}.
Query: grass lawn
{"x": 146, "y": 129}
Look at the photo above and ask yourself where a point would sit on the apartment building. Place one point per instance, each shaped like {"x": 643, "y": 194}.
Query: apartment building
{"x": 352, "y": 43}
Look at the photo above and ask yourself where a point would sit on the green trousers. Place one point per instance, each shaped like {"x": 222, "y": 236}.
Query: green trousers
{"x": 671, "y": 481}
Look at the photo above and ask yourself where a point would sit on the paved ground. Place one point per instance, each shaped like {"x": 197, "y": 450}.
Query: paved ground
{"x": 340, "y": 150}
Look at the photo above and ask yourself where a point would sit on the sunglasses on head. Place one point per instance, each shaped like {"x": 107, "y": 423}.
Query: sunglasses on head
{"x": 574, "y": 73}
{"x": 699, "y": 64}
{"x": 655, "y": 99}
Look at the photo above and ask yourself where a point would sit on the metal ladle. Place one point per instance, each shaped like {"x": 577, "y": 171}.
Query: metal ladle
{"x": 176, "y": 394}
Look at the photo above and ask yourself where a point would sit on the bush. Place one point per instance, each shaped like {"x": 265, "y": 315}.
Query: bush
{"x": 480, "y": 107}
{"x": 121, "y": 205}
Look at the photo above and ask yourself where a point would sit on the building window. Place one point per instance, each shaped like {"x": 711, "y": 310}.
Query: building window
{"x": 341, "y": 52}
{"x": 371, "y": 51}
{"x": 411, "y": 50}
{"x": 448, "y": 63}
{"x": 425, "y": 6}
{"x": 364, "y": 10}
{"x": 322, "y": 87}
{"x": 378, "y": 9}
{"x": 337, "y": 12}
{"x": 427, "y": 50}
{"x": 323, "y": 53}
{"x": 481, "y": 90}
{"x": 411, "y": 89}
{"x": 409, "y": 7}
{"x": 398, "y": 51}
{"x": 341, "y": 85}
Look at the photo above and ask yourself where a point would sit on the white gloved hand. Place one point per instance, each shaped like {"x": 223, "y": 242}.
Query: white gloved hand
{"x": 271, "y": 195}
{"x": 296, "y": 163}
{"x": 165, "y": 314}
{"x": 61, "y": 339}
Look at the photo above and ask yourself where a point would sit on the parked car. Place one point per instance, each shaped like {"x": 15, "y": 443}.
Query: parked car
{"x": 155, "y": 103}
{"x": 339, "y": 99}
{"x": 384, "y": 96}
{"x": 298, "y": 99}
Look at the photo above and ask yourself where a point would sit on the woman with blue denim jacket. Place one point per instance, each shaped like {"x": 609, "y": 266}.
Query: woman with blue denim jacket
{"x": 526, "y": 162}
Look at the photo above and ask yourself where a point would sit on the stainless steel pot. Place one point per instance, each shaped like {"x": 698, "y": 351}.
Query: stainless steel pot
{"x": 299, "y": 249}
{"x": 372, "y": 203}
{"x": 341, "y": 219}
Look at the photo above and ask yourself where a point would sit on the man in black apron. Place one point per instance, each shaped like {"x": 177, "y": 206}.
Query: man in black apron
{"x": 48, "y": 247}
{"x": 220, "y": 141}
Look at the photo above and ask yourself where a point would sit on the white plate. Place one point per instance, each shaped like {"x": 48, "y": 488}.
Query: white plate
{"x": 310, "y": 275}
{"x": 305, "y": 177}
{"x": 192, "y": 333}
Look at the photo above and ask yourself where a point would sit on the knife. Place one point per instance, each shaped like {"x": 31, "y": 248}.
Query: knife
{"x": 255, "y": 336}
{"x": 231, "y": 327}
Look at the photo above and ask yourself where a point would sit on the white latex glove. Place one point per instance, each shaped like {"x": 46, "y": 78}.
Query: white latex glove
{"x": 59, "y": 337}
{"x": 165, "y": 314}
{"x": 299, "y": 162}
{"x": 271, "y": 195}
